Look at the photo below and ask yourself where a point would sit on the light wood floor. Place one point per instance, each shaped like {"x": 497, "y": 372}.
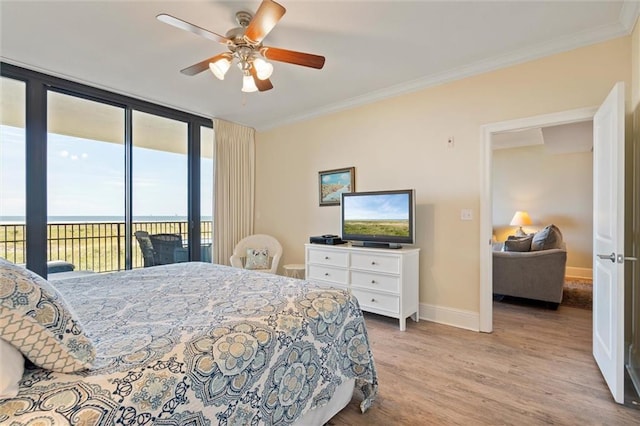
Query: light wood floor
{"x": 535, "y": 368}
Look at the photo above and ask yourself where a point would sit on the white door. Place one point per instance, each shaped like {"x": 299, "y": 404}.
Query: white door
{"x": 608, "y": 240}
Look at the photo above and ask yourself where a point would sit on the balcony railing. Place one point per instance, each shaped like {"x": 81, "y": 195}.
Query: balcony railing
{"x": 94, "y": 246}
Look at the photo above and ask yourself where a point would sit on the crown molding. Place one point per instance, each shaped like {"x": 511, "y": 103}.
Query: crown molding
{"x": 629, "y": 13}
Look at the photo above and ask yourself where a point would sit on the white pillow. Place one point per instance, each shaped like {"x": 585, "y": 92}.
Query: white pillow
{"x": 11, "y": 369}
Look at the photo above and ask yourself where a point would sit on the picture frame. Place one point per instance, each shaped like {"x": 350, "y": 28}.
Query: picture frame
{"x": 332, "y": 183}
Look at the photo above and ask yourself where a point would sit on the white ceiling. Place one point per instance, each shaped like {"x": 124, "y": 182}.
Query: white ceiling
{"x": 560, "y": 139}
{"x": 373, "y": 49}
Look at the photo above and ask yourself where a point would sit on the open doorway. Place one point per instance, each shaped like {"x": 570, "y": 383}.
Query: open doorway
{"x": 543, "y": 177}
{"x": 610, "y": 140}
{"x": 486, "y": 202}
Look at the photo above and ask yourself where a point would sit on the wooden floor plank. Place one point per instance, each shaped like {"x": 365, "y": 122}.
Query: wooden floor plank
{"x": 535, "y": 368}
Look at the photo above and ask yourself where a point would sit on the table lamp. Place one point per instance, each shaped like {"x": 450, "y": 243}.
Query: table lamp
{"x": 520, "y": 219}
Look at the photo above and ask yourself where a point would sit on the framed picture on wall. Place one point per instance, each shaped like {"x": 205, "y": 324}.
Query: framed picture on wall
{"x": 332, "y": 183}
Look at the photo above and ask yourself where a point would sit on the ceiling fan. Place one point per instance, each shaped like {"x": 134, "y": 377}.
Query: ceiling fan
{"x": 245, "y": 47}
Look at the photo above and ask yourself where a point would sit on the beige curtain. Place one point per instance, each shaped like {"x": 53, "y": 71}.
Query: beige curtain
{"x": 234, "y": 173}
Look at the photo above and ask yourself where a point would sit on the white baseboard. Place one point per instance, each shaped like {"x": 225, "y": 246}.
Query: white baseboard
{"x": 468, "y": 320}
{"x": 579, "y": 272}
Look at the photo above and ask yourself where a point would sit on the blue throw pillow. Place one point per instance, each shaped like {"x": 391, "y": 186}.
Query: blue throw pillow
{"x": 518, "y": 244}
{"x": 549, "y": 237}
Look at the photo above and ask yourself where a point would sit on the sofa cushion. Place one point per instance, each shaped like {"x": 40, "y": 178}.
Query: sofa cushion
{"x": 518, "y": 244}
{"x": 547, "y": 238}
{"x": 55, "y": 266}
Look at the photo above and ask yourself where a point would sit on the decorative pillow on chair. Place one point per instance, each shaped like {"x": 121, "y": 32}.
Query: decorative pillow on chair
{"x": 518, "y": 243}
{"x": 257, "y": 259}
{"x": 37, "y": 321}
{"x": 548, "y": 238}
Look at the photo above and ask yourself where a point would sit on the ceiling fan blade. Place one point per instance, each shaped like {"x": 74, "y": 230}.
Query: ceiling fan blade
{"x": 262, "y": 85}
{"x": 184, "y": 25}
{"x": 266, "y": 17}
{"x": 292, "y": 57}
{"x": 202, "y": 66}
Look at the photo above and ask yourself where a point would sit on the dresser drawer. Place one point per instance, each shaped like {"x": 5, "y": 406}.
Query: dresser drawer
{"x": 375, "y": 281}
{"x": 385, "y": 282}
{"x": 370, "y": 301}
{"x": 327, "y": 273}
{"x": 376, "y": 262}
{"x": 328, "y": 257}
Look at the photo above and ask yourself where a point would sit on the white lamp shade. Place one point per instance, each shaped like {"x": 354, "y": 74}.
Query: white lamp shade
{"x": 248, "y": 85}
{"x": 220, "y": 67}
{"x": 521, "y": 218}
{"x": 263, "y": 68}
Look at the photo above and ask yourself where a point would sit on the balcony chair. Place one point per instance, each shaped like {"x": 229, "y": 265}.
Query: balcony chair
{"x": 260, "y": 252}
{"x": 146, "y": 247}
{"x": 168, "y": 248}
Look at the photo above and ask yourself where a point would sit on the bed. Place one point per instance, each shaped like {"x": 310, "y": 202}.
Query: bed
{"x": 189, "y": 343}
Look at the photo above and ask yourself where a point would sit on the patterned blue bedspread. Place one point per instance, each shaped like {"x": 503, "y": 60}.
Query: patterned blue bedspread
{"x": 201, "y": 344}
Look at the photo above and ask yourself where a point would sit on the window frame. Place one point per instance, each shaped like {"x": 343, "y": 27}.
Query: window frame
{"x": 37, "y": 85}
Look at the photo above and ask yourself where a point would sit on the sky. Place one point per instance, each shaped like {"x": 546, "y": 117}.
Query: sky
{"x": 86, "y": 178}
{"x": 337, "y": 178}
{"x": 379, "y": 206}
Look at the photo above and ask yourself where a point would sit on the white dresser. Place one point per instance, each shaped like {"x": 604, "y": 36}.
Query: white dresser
{"x": 385, "y": 281}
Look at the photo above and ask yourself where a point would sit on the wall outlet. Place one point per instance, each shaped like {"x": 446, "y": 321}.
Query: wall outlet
{"x": 466, "y": 214}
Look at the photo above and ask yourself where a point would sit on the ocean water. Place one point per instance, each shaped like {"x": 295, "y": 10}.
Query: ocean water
{"x": 4, "y": 220}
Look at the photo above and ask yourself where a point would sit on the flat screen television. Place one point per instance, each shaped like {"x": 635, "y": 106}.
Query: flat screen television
{"x": 379, "y": 218}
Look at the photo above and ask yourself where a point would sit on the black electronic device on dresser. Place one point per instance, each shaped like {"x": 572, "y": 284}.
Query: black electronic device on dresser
{"x": 328, "y": 239}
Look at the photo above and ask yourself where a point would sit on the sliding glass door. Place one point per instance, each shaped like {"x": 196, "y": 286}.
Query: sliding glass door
{"x": 206, "y": 193}
{"x": 160, "y": 187}
{"x": 82, "y": 169}
{"x": 85, "y": 184}
{"x": 12, "y": 171}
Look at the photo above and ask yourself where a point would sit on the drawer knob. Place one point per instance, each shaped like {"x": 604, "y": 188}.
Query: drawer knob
{"x": 373, "y": 281}
{"x": 326, "y": 258}
{"x": 373, "y": 300}
{"x": 373, "y": 262}
{"x": 326, "y": 274}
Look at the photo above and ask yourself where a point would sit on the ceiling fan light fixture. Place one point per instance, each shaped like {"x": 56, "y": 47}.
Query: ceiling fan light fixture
{"x": 244, "y": 45}
{"x": 220, "y": 67}
{"x": 248, "y": 85}
{"x": 263, "y": 68}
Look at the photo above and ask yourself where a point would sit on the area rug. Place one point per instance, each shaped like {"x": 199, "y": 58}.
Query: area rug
{"x": 577, "y": 293}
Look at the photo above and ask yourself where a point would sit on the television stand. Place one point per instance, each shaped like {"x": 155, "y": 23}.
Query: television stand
{"x": 373, "y": 244}
{"x": 385, "y": 282}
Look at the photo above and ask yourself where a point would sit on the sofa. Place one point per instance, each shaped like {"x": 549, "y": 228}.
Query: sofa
{"x": 531, "y": 267}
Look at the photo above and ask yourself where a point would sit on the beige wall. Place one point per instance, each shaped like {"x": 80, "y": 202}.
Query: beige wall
{"x": 402, "y": 143}
{"x": 552, "y": 188}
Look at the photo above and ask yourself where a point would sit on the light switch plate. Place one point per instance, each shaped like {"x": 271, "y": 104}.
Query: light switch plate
{"x": 466, "y": 214}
